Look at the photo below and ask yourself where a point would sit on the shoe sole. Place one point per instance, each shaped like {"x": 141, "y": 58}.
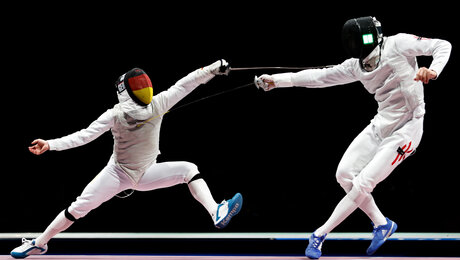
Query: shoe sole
{"x": 234, "y": 206}
{"x": 25, "y": 254}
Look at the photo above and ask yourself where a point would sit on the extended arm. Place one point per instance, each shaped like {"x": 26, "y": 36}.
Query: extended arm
{"x": 168, "y": 98}
{"x": 314, "y": 78}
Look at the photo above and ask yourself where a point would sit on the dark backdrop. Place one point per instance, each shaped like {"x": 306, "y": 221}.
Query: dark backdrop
{"x": 279, "y": 149}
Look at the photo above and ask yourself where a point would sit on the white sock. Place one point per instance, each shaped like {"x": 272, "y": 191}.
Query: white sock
{"x": 373, "y": 212}
{"x": 201, "y": 193}
{"x": 345, "y": 207}
{"x": 370, "y": 208}
{"x": 59, "y": 224}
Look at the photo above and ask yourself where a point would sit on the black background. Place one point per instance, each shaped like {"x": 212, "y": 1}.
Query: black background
{"x": 280, "y": 149}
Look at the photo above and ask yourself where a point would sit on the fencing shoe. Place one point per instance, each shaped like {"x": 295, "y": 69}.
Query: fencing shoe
{"x": 381, "y": 233}
{"x": 315, "y": 243}
{"x": 226, "y": 210}
{"x": 27, "y": 248}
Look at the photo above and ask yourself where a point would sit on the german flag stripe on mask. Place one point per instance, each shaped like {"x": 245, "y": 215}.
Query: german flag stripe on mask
{"x": 139, "y": 86}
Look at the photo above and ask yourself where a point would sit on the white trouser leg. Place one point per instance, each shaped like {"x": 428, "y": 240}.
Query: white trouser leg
{"x": 167, "y": 174}
{"x": 110, "y": 181}
{"x": 384, "y": 161}
{"x": 357, "y": 156}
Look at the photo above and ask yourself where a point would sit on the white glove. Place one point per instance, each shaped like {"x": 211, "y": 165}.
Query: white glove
{"x": 265, "y": 82}
{"x": 220, "y": 67}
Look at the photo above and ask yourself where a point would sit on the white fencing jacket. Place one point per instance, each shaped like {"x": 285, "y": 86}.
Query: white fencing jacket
{"x": 135, "y": 129}
{"x": 399, "y": 96}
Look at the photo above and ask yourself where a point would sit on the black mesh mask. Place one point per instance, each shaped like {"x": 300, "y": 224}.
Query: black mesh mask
{"x": 361, "y": 36}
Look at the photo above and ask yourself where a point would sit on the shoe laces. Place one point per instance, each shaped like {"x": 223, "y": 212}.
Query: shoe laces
{"x": 25, "y": 243}
{"x": 380, "y": 230}
{"x": 222, "y": 205}
{"x": 317, "y": 242}
{"x": 375, "y": 230}
{"x": 220, "y": 208}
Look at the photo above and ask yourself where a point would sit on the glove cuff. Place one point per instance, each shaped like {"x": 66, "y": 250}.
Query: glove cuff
{"x": 283, "y": 80}
{"x": 220, "y": 67}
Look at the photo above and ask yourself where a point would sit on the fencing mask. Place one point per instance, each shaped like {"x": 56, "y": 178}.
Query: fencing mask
{"x": 138, "y": 85}
{"x": 362, "y": 39}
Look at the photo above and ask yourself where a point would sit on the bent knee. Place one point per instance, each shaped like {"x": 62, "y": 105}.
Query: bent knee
{"x": 190, "y": 170}
{"x": 80, "y": 208}
{"x": 345, "y": 179}
{"x": 361, "y": 189}
{"x": 363, "y": 185}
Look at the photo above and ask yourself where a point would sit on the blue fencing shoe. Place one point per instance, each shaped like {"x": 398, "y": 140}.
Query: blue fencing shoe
{"x": 315, "y": 243}
{"x": 226, "y": 210}
{"x": 381, "y": 234}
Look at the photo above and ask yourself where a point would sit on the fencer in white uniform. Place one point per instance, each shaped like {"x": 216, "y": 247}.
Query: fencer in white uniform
{"x": 135, "y": 125}
{"x": 387, "y": 67}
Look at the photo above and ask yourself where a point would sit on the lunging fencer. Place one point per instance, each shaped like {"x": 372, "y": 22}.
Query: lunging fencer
{"x": 387, "y": 67}
{"x": 135, "y": 125}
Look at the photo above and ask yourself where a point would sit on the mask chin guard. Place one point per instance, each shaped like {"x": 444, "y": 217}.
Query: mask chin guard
{"x": 371, "y": 62}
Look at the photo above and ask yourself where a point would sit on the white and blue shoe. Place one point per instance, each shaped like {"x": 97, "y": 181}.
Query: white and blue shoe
{"x": 27, "y": 248}
{"x": 315, "y": 244}
{"x": 226, "y": 210}
{"x": 381, "y": 234}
